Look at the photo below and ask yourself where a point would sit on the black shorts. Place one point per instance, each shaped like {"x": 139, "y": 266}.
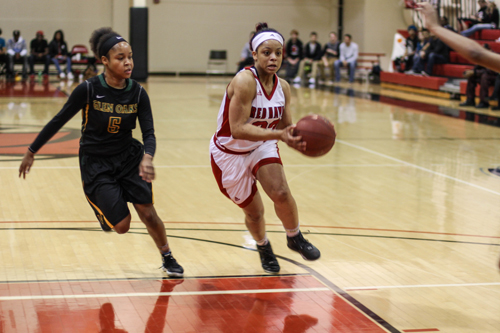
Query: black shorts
{"x": 109, "y": 182}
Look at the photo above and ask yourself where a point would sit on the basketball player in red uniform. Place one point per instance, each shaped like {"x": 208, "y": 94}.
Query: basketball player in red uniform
{"x": 253, "y": 116}
{"x": 468, "y": 48}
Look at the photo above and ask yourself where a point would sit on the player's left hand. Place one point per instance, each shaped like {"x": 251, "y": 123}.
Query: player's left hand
{"x": 147, "y": 169}
{"x": 430, "y": 15}
{"x": 28, "y": 160}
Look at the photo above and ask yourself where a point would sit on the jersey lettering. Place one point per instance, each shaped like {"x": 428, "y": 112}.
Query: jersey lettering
{"x": 114, "y": 123}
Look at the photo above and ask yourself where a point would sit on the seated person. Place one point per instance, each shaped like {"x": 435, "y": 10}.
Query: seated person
{"x": 330, "y": 54}
{"x": 293, "y": 54}
{"x": 16, "y": 51}
{"x": 489, "y": 21}
{"x": 39, "y": 52}
{"x": 58, "y": 51}
{"x": 246, "y": 57}
{"x": 496, "y": 94}
{"x": 445, "y": 24}
{"x": 3, "y": 49}
{"x": 486, "y": 78}
{"x": 467, "y": 22}
{"x": 312, "y": 56}
{"x": 437, "y": 52}
{"x": 412, "y": 44}
{"x": 348, "y": 58}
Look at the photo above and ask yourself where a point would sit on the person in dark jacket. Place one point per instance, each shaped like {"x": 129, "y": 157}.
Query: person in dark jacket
{"x": 486, "y": 78}
{"x": 490, "y": 20}
{"x": 436, "y": 53}
{"x": 331, "y": 52}
{"x": 312, "y": 56}
{"x": 293, "y": 54}
{"x": 39, "y": 51}
{"x": 59, "y": 53}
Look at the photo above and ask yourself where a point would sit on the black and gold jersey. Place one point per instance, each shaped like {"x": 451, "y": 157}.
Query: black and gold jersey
{"x": 108, "y": 117}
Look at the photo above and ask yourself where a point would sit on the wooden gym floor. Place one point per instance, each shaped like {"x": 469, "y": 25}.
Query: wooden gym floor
{"x": 403, "y": 209}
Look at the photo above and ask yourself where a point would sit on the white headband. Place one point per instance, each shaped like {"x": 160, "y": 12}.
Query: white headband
{"x": 267, "y": 35}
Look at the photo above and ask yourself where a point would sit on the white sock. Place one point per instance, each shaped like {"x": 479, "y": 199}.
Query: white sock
{"x": 293, "y": 232}
{"x": 263, "y": 241}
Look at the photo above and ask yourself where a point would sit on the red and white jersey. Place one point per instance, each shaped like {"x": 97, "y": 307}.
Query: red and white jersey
{"x": 267, "y": 111}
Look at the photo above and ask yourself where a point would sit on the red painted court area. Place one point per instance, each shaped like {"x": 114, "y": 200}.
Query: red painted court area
{"x": 246, "y": 304}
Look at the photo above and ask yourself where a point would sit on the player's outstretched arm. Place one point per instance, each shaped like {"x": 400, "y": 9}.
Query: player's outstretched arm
{"x": 28, "y": 160}
{"x": 463, "y": 45}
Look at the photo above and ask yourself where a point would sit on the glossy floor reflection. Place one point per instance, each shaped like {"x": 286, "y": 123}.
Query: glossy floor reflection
{"x": 292, "y": 304}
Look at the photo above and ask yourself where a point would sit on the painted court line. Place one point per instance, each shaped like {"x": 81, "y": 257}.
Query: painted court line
{"x": 180, "y": 293}
{"x": 208, "y": 166}
{"x": 417, "y": 167}
{"x": 425, "y": 286}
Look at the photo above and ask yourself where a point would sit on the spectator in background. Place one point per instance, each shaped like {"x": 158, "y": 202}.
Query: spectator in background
{"x": 433, "y": 52}
{"x": 330, "y": 54}
{"x": 246, "y": 58}
{"x": 312, "y": 56}
{"x": 496, "y": 94}
{"x": 39, "y": 49}
{"x": 293, "y": 54}
{"x": 411, "y": 46}
{"x": 486, "y": 78}
{"x": 424, "y": 43}
{"x": 3, "y": 49}
{"x": 17, "y": 51}
{"x": 445, "y": 24}
{"x": 58, "y": 50}
{"x": 490, "y": 20}
{"x": 348, "y": 58}
{"x": 437, "y": 53}
{"x": 467, "y": 22}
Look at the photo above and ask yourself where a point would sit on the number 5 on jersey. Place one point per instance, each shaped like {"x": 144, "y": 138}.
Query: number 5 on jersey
{"x": 114, "y": 123}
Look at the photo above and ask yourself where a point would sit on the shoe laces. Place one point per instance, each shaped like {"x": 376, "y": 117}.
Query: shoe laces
{"x": 302, "y": 242}
{"x": 169, "y": 260}
{"x": 267, "y": 253}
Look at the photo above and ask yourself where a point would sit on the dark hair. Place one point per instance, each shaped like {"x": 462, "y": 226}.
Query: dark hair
{"x": 62, "y": 35}
{"x": 260, "y": 28}
{"x": 98, "y": 37}
{"x": 424, "y": 30}
{"x": 313, "y": 33}
{"x": 294, "y": 32}
{"x": 0, "y": 31}
{"x": 347, "y": 35}
{"x": 487, "y": 46}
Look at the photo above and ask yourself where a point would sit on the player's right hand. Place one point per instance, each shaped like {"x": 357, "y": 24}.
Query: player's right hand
{"x": 291, "y": 140}
{"x": 429, "y": 13}
{"x": 28, "y": 160}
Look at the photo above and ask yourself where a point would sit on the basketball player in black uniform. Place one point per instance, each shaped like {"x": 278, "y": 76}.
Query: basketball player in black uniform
{"x": 115, "y": 168}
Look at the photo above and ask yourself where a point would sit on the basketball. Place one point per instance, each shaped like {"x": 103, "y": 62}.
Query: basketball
{"x": 318, "y": 132}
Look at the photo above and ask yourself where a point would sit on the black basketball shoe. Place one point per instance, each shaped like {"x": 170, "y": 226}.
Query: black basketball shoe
{"x": 268, "y": 259}
{"x": 170, "y": 266}
{"x": 301, "y": 245}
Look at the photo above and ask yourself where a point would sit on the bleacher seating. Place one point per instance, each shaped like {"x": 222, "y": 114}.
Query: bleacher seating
{"x": 443, "y": 74}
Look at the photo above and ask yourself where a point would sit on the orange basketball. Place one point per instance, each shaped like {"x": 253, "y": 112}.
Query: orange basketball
{"x": 318, "y": 133}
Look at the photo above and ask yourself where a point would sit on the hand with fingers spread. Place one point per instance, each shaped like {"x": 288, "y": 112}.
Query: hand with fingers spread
{"x": 147, "y": 169}
{"x": 28, "y": 160}
{"x": 291, "y": 140}
{"x": 430, "y": 15}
